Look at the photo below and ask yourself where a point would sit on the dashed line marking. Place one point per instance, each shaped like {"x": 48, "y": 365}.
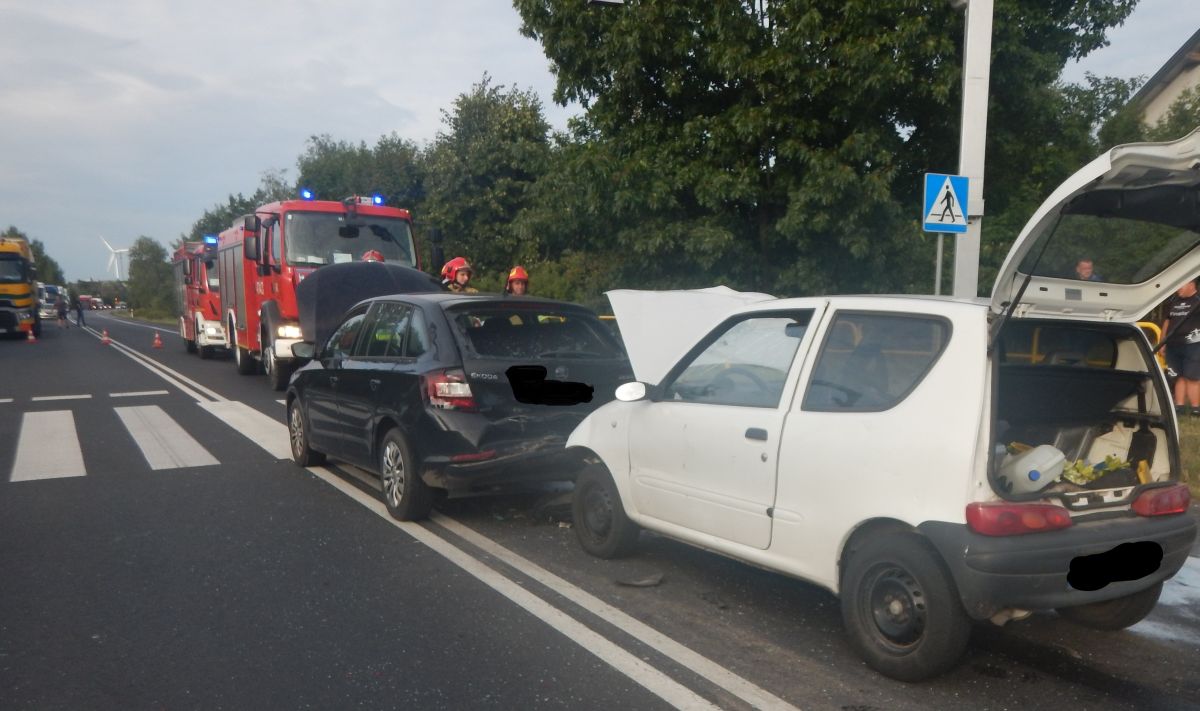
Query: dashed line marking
{"x": 46, "y": 398}
{"x": 139, "y": 394}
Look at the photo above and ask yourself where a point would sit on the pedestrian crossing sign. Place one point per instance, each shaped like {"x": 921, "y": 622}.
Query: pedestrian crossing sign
{"x": 945, "y": 203}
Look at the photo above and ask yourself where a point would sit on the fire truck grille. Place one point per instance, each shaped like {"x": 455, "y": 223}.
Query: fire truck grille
{"x": 8, "y": 319}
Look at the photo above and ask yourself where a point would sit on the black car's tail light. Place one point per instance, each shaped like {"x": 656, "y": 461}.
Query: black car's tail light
{"x": 449, "y": 390}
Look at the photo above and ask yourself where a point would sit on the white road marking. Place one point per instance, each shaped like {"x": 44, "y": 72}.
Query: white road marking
{"x": 48, "y": 447}
{"x": 164, "y": 444}
{"x": 47, "y": 398}
{"x": 266, "y": 432}
{"x": 5, "y": 399}
{"x": 189, "y": 387}
{"x": 281, "y": 402}
{"x": 701, "y": 665}
{"x": 139, "y": 394}
{"x": 628, "y": 664}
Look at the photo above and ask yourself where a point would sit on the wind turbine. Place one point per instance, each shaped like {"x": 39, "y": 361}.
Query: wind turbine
{"x": 115, "y": 258}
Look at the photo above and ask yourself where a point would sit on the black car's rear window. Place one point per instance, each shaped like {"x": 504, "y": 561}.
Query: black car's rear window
{"x": 532, "y": 332}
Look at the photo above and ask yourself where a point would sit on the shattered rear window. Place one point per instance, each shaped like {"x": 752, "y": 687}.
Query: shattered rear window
{"x": 529, "y": 332}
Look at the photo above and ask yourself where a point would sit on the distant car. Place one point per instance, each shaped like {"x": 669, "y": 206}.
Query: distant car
{"x": 931, "y": 461}
{"x": 452, "y": 393}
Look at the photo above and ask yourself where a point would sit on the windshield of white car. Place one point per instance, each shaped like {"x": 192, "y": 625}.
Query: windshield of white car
{"x": 317, "y": 238}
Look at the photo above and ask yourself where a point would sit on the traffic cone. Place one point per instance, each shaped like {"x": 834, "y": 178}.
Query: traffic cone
{"x": 29, "y": 337}
{"x": 157, "y": 340}
{"x": 105, "y": 340}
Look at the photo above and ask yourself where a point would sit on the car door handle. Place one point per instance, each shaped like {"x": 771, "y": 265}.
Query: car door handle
{"x": 756, "y": 433}
{"x": 375, "y": 383}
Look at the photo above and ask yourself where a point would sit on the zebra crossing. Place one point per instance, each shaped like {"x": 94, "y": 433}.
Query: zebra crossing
{"x": 50, "y": 443}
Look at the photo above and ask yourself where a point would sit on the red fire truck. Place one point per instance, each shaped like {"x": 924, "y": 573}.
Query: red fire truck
{"x": 265, "y": 255}
{"x": 197, "y": 291}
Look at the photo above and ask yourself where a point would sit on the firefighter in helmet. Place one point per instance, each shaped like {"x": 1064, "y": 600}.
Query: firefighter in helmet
{"x": 518, "y": 281}
{"x": 456, "y": 276}
{"x": 372, "y": 255}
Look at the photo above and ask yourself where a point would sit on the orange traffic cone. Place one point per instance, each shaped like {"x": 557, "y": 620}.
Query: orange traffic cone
{"x": 29, "y": 337}
{"x": 157, "y": 340}
{"x": 105, "y": 340}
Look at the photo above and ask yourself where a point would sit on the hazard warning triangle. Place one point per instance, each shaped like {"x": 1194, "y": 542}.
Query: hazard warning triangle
{"x": 945, "y": 203}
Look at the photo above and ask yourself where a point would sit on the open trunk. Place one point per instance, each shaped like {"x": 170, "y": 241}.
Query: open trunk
{"x": 1082, "y": 414}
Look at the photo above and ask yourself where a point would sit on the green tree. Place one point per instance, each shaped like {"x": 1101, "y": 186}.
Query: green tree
{"x": 151, "y": 282}
{"x": 335, "y": 170}
{"x": 779, "y": 145}
{"x": 480, "y": 170}
{"x": 1181, "y": 118}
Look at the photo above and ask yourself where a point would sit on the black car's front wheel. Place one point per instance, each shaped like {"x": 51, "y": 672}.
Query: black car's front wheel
{"x": 406, "y": 496}
{"x": 600, "y": 522}
{"x": 302, "y": 454}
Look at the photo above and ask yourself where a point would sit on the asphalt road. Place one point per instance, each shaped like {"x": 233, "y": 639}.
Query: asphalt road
{"x": 174, "y": 557}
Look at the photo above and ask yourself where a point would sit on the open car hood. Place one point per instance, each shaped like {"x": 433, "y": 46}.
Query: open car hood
{"x": 1134, "y": 211}
{"x": 658, "y": 327}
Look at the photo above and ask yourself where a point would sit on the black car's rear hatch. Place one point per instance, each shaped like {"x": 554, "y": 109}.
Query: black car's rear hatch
{"x": 536, "y": 368}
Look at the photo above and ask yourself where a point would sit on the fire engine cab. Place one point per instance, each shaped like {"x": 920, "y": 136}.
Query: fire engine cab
{"x": 197, "y": 290}
{"x": 263, "y": 256}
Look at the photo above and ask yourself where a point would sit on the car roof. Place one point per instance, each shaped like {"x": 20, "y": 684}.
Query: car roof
{"x": 451, "y": 299}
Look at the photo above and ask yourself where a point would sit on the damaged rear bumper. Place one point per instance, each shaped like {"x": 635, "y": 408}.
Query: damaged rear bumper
{"x": 502, "y": 463}
{"x": 1031, "y": 572}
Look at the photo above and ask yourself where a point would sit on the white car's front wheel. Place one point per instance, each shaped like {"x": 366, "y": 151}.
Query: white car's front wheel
{"x": 600, "y": 522}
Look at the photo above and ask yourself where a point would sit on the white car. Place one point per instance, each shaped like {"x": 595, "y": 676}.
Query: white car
{"x": 932, "y": 461}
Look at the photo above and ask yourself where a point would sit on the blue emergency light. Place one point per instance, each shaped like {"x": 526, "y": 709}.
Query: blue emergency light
{"x": 377, "y": 199}
{"x": 210, "y": 239}
{"x": 306, "y": 194}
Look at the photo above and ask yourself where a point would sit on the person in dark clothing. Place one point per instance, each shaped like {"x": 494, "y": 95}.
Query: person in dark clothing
{"x": 1181, "y": 329}
{"x": 79, "y": 314}
{"x": 60, "y": 306}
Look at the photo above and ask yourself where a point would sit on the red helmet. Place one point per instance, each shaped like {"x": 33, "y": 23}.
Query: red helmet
{"x": 454, "y": 266}
{"x": 372, "y": 255}
{"x": 517, "y": 273}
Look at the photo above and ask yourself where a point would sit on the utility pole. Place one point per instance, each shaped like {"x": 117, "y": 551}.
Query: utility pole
{"x": 977, "y": 63}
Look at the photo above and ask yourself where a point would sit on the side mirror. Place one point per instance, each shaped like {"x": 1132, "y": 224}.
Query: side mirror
{"x": 187, "y": 267}
{"x": 304, "y": 350}
{"x": 631, "y": 392}
{"x": 187, "y": 280}
{"x": 251, "y": 224}
{"x": 250, "y": 248}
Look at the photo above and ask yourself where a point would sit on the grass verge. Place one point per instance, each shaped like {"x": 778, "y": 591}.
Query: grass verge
{"x": 1189, "y": 451}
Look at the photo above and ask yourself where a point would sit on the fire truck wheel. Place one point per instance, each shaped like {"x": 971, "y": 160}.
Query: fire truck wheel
{"x": 406, "y": 495}
{"x": 303, "y": 455}
{"x": 277, "y": 373}
{"x": 189, "y": 345}
{"x": 246, "y": 365}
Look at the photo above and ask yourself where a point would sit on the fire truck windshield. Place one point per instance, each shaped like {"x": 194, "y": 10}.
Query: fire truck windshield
{"x": 316, "y": 238}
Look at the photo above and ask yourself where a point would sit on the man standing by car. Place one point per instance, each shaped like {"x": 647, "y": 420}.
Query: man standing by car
{"x": 1181, "y": 329}
{"x": 518, "y": 281}
{"x": 79, "y": 313}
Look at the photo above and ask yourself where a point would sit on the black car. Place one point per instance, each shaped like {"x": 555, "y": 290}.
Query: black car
{"x": 453, "y": 392}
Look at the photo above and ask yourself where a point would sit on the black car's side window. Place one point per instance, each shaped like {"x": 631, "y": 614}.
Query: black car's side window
{"x": 341, "y": 343}
{"x": 418, "y": 338}
{"x": 871, "y": 361}
{"x": 385, "y": 335}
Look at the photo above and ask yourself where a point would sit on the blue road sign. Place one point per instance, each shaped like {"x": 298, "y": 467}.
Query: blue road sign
{"x": 945, "y": 203}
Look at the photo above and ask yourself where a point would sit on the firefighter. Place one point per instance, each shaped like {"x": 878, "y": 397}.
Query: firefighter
{"x": 372, "y": 255}
{"x": 456, "y": 276}
{"x": 518, "y": 281}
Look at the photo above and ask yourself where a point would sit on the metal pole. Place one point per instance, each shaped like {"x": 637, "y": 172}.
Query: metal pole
{"x": 977, "y": 61}
{"x": 937, "y": 274}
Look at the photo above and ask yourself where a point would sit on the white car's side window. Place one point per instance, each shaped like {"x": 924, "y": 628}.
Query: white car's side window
{"x": 872, "y": 361}
{"x": 746, "y": 364}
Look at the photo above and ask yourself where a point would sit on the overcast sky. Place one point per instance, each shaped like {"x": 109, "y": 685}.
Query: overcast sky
{"x": 131, "y": 117}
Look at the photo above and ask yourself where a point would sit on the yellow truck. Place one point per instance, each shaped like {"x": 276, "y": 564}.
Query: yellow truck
{"x": 18, "y": 289}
